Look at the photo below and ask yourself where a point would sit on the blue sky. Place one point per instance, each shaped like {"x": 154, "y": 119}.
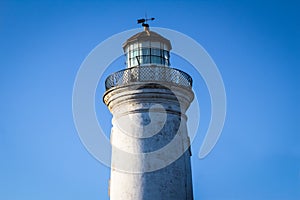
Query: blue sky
{"x": 255, "y": 45}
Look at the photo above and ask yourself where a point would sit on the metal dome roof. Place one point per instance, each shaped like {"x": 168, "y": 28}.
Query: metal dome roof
{"x": 147, "y": 35}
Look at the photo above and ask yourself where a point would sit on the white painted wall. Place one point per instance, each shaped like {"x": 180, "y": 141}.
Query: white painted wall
{"x": 149, "y": 131}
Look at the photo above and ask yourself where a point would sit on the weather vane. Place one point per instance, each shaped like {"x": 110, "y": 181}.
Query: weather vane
{"x": 144, "y": 21}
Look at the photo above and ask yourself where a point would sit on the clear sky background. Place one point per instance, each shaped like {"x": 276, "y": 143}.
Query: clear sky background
{"x": 255, "y": 44}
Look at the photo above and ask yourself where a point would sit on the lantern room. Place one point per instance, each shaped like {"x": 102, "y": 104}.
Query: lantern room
{"x": 147, "y": 48}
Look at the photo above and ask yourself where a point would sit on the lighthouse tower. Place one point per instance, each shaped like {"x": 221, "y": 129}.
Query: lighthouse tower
{"x": 150, "y": 144}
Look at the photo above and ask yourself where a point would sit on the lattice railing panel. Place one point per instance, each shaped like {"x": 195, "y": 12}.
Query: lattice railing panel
{"x": 148, "y": 74}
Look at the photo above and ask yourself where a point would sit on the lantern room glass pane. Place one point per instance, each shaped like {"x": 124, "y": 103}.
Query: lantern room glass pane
{"x": 134, "y": 62}
{"x": 155, "y": 52}
{"x": 135, "y": 52}
{"x": 131, "y": 47}
{"x": 166, "y": 55}
{"x": 156, "y": 59}
{"x": 145, "y": 44}
{"x": 155, "y": 45}
{"x": 166, "y": 47}
{"x": 146, "y": 51}
{"x": 145, "y": 59}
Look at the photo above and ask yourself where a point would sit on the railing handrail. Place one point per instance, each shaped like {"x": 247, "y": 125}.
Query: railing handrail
{"x": 151, "y": 73}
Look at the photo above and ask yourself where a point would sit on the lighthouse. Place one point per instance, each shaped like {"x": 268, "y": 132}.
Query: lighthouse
{"x": 150, "y": 143}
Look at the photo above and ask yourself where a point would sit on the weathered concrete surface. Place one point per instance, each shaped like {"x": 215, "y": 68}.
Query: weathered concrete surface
{"x": 150, "y": 155}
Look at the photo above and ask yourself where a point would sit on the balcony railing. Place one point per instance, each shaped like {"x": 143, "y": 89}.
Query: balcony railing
{"x": 155, "y": 74}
